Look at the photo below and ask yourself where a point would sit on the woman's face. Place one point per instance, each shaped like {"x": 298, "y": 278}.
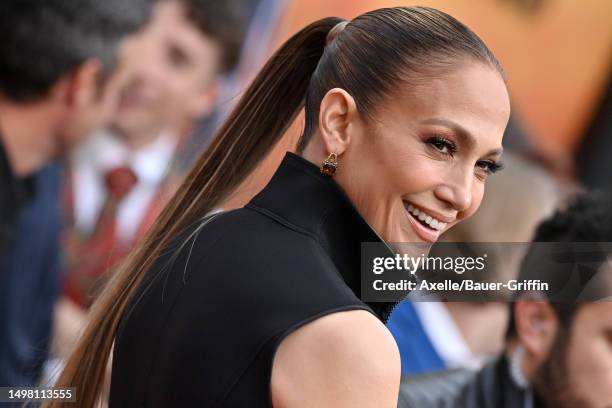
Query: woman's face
{"x": 421, "y": 165}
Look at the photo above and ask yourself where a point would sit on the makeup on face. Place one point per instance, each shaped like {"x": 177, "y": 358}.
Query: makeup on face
{"x": 421, "y": 165}
{"x": 427, "y": 226}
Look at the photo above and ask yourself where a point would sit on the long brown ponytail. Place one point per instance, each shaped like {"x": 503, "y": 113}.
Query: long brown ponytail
{"x": 258, "y": 121}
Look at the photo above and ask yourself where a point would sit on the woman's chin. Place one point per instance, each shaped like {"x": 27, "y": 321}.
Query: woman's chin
{"x": 408, "y": 242}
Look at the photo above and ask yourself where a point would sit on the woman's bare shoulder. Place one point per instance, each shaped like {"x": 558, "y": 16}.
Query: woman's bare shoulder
{"x": 342, "y": 359}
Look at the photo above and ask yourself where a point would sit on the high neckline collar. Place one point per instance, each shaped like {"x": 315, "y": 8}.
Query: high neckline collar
{"x": 312, "y": 203}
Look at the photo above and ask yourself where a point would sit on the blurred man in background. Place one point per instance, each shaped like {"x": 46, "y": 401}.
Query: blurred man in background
{"x": 122, "y": 177}
{"x": 58, "y": 80}
{"x": 557, "y": 353}
{"x": 55, "y": 57}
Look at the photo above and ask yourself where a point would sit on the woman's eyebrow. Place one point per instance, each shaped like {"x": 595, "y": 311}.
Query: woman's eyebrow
{"x": 465, "y": 136}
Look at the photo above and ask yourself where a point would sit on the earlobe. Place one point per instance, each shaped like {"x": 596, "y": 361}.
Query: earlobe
{"x": 83, "y": 83}
{"x": 203, "y": 103}
{"x": 535, "y": 325}
{"x": 338, "y": 112}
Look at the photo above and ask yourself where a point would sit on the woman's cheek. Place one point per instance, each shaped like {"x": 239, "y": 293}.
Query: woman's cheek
{"x": 422, "y": 176}
{"x": 477, "y": 196}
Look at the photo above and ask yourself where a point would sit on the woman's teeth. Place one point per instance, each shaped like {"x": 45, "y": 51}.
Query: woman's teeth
{"x": 426, "y": 218}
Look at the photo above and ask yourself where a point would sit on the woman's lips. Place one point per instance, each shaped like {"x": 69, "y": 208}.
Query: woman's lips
{"x": 417, "y": 217}
{"x": 425, "y": 233}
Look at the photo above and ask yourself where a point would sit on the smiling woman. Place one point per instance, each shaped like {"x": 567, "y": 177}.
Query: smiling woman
{"x": 405, "y": 111}
{"x": 448, "y": 132}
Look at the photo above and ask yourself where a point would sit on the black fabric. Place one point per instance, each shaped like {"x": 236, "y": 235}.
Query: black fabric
{"x": 14, "y": 194}
{"x": 491, "y": 387}
{"x": 205, "y": 324}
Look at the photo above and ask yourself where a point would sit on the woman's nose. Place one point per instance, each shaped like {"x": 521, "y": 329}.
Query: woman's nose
{"x": 456, "y": 190}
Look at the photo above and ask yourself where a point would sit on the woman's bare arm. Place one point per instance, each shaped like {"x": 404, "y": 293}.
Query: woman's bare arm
{"x": 346, "y": 359}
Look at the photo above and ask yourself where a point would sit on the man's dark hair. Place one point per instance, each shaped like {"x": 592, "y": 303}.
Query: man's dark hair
{"x": 588, "y": 218}
{"x": 43, "y": 40}
{"x": 225, "y": 21}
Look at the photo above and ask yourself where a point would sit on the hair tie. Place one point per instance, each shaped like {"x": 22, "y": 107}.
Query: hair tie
{"x": 335, "y": 31}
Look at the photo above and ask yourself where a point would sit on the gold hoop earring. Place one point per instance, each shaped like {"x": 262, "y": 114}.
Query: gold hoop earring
{"x": 330, "y": 165}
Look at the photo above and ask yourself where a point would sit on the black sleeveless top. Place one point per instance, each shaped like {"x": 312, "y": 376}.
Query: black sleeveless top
{"x": 208, "y": 317}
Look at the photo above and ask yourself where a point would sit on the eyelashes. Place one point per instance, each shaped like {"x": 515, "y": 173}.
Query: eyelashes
{"x": 489, "y": 166}
{"x": 446, "y": 146}
{"x": 442, "y": 144}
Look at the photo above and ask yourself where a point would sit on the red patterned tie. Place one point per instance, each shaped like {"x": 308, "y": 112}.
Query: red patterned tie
{"x": 92, "y": 257}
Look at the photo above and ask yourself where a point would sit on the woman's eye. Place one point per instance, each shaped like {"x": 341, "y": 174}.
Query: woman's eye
{"x": 489, "y": 166}
{"x": 442, "y": 145}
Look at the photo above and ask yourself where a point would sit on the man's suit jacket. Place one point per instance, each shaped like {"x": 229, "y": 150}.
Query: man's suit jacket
{"x": 29, "y": 284}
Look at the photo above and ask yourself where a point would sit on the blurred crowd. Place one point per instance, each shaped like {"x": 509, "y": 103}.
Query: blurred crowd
{"x": 99, "y": 109}
{"x": 104, "y": 107}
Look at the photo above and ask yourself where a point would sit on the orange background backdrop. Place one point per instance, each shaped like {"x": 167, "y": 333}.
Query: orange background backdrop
{"x": 557, "y": 58}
